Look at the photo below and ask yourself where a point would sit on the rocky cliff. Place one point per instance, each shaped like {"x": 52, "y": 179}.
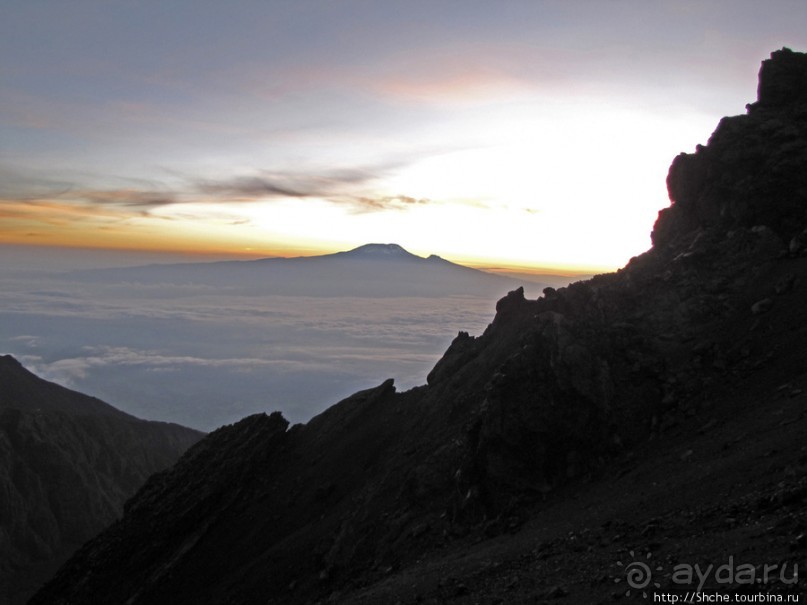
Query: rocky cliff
{"x": 68, "y": 462}
{"x": 535, "y": 446}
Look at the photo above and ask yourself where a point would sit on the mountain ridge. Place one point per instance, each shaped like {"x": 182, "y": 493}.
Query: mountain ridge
{"x": 69, "y": 461}
{"x": 371, "y": 270}
{"x": 669, "y": 395}
{"x": 388, "y": 251}
{"x": 19, "y": 384}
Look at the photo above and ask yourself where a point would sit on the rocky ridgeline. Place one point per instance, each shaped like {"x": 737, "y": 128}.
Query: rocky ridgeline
{"x": 751, "y": 172}
{"x": 68, "y": 462}
{"x": 552, "y": 393}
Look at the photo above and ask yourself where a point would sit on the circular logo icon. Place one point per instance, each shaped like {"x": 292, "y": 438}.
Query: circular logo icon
{"x": 638, "y": 575}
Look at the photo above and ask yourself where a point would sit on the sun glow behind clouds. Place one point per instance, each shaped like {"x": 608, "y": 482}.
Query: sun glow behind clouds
{"x": 563, "y": 188}
{"x": 575, "y": 186}
{"x": 538, "y": 183}
{"x": 531, "y": 134}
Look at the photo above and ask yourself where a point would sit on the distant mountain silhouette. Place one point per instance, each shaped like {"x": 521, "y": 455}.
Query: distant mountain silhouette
{"x": 379, "y": 252}
{"x": 67, "y": 464}
{"x": 372, "y": 270}
{"x": 646, "y": 418}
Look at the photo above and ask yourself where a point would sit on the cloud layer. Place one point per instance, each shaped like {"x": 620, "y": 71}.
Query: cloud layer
{"x": 203, "y": 358}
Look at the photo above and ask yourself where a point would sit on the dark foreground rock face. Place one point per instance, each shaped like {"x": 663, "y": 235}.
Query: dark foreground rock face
{"x": 68, "y": 462}
{"x": 541, "y": 443}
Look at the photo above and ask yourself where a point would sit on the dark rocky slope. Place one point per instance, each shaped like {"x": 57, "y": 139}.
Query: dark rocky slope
{"x": 68, "y": 462}
{"x": 659, "y": 408}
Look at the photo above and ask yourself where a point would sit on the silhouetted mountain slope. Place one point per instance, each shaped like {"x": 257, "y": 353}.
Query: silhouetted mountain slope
{"x": 373, "y": 270}
{"x": 24, "y": 391}
{"x": 659, "y": 408}
{"x": 67, "y": 464}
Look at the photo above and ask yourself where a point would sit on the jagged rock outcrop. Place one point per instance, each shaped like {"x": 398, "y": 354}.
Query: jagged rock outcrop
{"x": 751, "y": 172}
{"x": 68, "y": 462}
{"x": 550, "y": 394}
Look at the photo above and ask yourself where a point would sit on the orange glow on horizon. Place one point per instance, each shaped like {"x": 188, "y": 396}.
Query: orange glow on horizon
{"x": 99, "y": 245}
{"x": 537, "y": 270}
{"x": 287, "y": 251}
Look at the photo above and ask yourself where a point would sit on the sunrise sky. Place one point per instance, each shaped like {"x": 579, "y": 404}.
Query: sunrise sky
{"x": 527, "y": 134}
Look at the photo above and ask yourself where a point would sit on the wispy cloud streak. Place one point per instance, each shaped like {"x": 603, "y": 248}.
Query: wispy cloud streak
{"x": 59, "y": 204}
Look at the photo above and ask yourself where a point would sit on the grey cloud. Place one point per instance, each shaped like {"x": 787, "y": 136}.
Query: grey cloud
{"x": 99, "y": 356}
{"x": 20, "y": 185}
{"x": 270, "y": 184}
{"x": 347, "y": 187}
{"x": 28, "y": 187}
{"x": 250, "y": 188}
{"x": 126, "y": 198}
{"x": 29, "y": 341}
{"x": 391, "y": 202}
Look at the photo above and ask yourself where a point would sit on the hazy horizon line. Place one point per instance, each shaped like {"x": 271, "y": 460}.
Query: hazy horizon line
{"x": 498, "y": 266}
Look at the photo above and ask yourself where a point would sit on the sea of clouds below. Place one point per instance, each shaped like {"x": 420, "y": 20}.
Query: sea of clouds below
{"x": 204, "y": 358}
